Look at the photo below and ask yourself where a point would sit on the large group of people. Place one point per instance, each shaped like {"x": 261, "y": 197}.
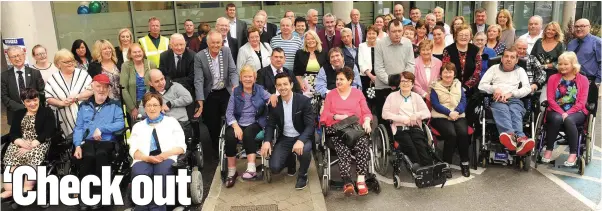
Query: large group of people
{"x": 261, "y": 78}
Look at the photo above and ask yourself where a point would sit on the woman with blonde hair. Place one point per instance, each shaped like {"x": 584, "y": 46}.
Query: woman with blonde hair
{"x": 67, "y": 87}
{"x": 494, "y": 34}
{"x": 508, "y": 33}
{"x": 105, "y": 62}
{"x": 387, "y": 18}
{"x": 548, "y": 48}
{"x": 567, "y": 92}
{"x": 246, "y": 116}
{"x": 125, "y": 39}
{"x": 309, "y": 60}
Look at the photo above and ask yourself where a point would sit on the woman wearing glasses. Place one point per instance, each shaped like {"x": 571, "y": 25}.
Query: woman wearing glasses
{"x": 66, "y": 88}
{"x": 42, "y": 64}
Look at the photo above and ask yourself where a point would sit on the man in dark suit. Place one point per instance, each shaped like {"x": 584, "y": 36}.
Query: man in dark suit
{"x": 294, "y": 119}
{"x": 358, "y": 29}
{"x": 215, "y": 77}
{"x": 18, "y": 78}
{"x": 177, "y": 63}
{"x": 349, "y": 50}
{"x": 329, "y": 36}
{"x": 268, "y": 27}
{"x": 223, "y": 27}
{"x": 267, "y": 32}
{"x": 479, "y": 24}
{"x": 238, "y": 28}
{"x": 266, "y": 76}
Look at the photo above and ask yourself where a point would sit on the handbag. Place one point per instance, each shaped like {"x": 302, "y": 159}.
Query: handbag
{"x": 349, "y": 129}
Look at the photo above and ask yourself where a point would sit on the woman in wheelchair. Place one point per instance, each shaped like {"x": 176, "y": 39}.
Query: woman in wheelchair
{"x": 246, "y": 117}
{"x": 31, "y": 127}
{"x": 406, "y": 110}
{"x": 340, "y": 104}
{"x": 155, "y": 143}
{"x": 569, "y": 90}
{"x": 449, "y": 101}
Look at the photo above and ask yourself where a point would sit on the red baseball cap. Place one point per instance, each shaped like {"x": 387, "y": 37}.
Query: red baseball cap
{"x": 102, "y": 78}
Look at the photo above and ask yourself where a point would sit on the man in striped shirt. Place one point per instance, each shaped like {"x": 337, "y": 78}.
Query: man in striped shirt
{"x": 287, "y": 41}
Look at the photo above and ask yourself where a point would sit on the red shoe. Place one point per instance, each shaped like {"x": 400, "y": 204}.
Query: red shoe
{"x": 526, "y": 145}
{"x": 508, "y": 141}
{"x": 348, "y": 189}
{"x": 362, "y": 189}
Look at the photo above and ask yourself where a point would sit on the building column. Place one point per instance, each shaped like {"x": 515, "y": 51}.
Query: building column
{"x": 32, "y": 21}
{"x": 341, "y": 9}
{"x": 491, "y": 8}
{"x": 568, "y": 12}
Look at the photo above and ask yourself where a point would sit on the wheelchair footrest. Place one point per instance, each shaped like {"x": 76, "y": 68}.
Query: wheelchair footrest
{"x": 431, "y": 175}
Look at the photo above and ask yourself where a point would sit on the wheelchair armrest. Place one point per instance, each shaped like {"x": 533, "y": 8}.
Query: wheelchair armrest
{"x": 5, "y": 139}
{"x": 591, "y": 107}
{"x": 545, "y": 104}
{"x": 120, "y": 132}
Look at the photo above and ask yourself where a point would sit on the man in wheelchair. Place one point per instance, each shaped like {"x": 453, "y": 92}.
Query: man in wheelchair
{"x": 294, "y": 119}
{"x": 509, "y": 83}
{"x": 93, "y": 136}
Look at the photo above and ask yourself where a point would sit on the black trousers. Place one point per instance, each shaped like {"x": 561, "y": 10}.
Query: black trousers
{"x": 379, "y": 102}
{"x": 455, "y": 134}
{"x": 214, "y": 108}
{"x": 554, "y": 122}
{"x": 413, "y": 144}
{"x": 248, "y": 139}
{"x": 365, "y": 85}
{"x": 95, "y": 155}
{"x": 282, "y": 155}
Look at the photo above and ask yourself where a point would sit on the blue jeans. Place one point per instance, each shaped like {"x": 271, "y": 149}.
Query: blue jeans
{"x": 509, "y": 116}
{"x": 149, "y": 169}
{"x": 283, "y": 150}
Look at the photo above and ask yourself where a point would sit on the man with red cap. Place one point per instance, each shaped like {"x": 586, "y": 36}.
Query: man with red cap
{"x": 98, "y": 119}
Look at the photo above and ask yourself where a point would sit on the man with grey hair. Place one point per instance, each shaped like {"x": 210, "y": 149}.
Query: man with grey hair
{"x": 312, "y": 20}
{"x": 289, "y": 43}
{"x": 349, "y": 50}
{"x": 175, "y": 97}
{"x": 535, "y": 72}
{"x": 440, "y": 17}
{"x": 222, "y": 25}
{"x": 259, "y": 23}
{"x": 177, "y": 63}
{"x": 268, "y": 28}
{"x": 535, "y": 32}
{"x": 17, "y": 78}
{"x": 398, "y": 13}
{"x": 329, "y": 36}
{"x": 431, "y": 21}
{"x": 358, "y": 30}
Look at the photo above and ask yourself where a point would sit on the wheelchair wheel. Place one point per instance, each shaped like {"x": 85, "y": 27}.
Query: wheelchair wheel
{"x": 196, "y": 186}
{"x": 581, "y": 165}
{"x": 267, "y": 173}
{"x": 326, "y": 173}
{"x": 524, "y": 163}
{"x": 589, "y": 139}
{"x": 381, "y": 150}
{"x": 396, "y": 182}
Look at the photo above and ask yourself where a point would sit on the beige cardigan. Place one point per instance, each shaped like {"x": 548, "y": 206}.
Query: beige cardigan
{"x": 448, "y": 98}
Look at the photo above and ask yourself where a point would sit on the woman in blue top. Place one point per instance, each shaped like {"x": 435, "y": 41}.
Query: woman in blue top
{"x": 480, "y": 39}
{"x": 246, "y": 117}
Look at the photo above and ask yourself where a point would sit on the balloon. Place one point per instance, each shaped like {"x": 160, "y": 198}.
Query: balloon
{"x": 82, "y": 10}
{"x": 94, "y": 7}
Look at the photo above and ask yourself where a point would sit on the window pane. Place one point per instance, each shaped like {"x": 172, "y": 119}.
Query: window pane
{"x": 522, "y": 12}
{"x": 70, "y": 26}
{"x": 544, "y": 9}
{"x": 366, "y": 9}
{"x": 425, "y": 7}
{"x": 467, "y": 11}
{"x": 161, "y": 10}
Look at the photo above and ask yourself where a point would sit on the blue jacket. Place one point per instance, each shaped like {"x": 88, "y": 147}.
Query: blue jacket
{"x": 259, "y": 99}
{"x": 108, "y": 119}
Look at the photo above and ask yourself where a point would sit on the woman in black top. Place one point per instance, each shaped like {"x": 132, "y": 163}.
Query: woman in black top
{"x": 82, "y": 54}
{"x": 548, "y": 48}
{"x": 309, "y": 60}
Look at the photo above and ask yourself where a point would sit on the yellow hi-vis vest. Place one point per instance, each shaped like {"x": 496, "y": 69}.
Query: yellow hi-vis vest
{"x": 152, "y": 53}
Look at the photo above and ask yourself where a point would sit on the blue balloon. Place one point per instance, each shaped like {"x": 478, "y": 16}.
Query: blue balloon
{"x": 83, "y": 9}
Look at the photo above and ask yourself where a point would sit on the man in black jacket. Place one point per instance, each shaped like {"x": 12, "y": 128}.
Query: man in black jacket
{"x": 177, "y": 65}
{"x": 294, "y": 119}
{"x": 266, "y": 76}
{"x": 16, "y": 79}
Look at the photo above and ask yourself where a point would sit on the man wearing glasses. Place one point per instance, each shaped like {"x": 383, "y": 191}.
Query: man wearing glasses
{"x": 588, "y": 50}
{"x": 18, "y": 78}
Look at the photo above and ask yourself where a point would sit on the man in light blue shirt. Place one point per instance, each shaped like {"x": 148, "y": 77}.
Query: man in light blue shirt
{"x": 326, "y": 79}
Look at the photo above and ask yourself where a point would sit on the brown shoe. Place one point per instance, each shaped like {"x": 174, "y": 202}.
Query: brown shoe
{"x": 231, "y": 180}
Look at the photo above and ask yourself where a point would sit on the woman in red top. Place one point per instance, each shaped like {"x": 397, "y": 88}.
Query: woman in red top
{"x": 567, "y": 96}
{"x": 341, "y": 103}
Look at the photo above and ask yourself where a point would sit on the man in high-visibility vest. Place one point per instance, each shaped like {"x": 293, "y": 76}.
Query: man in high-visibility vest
{"x": 154, "y": 44}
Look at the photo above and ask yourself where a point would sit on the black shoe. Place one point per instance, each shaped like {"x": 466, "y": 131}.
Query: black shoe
{"x": 448, "y": 175}
{"x": 292, "y": 171}
{"x": 465, "y": 170}
{"x": 301, "y": 182}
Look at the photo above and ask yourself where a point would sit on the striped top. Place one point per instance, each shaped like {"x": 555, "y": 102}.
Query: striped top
{"x": 290, "y": 47}
{"x": 60, "y": 89}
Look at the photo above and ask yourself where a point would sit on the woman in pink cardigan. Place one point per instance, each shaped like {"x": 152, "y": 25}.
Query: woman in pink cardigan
{"x": 426, "y": 70}
{"x": 341, "y": 103}
{"x": 406, "y": 110}
{"x": 567, "y": 97}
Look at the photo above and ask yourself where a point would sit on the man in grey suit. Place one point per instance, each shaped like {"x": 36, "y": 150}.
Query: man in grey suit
{"x": 358, "y": 29}
{"x": 215, "y": 77}
{"x": 16, "y": 79}
{"x": 238, "y": 28}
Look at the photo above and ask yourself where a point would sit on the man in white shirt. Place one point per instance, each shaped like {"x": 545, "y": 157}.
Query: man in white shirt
{"x": 440, "y": 17}
{"x": 535, "y": 31}
{"x": 358, "y": 30}
{"x": 415, "y": 16}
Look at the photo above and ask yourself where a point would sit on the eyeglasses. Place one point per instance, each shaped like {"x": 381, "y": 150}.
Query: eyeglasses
{"x": 406, "y": 82}
{"x": 581, "y": 26}
{"x": 15, "y": 56}
{"x": 153, "y": 106}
